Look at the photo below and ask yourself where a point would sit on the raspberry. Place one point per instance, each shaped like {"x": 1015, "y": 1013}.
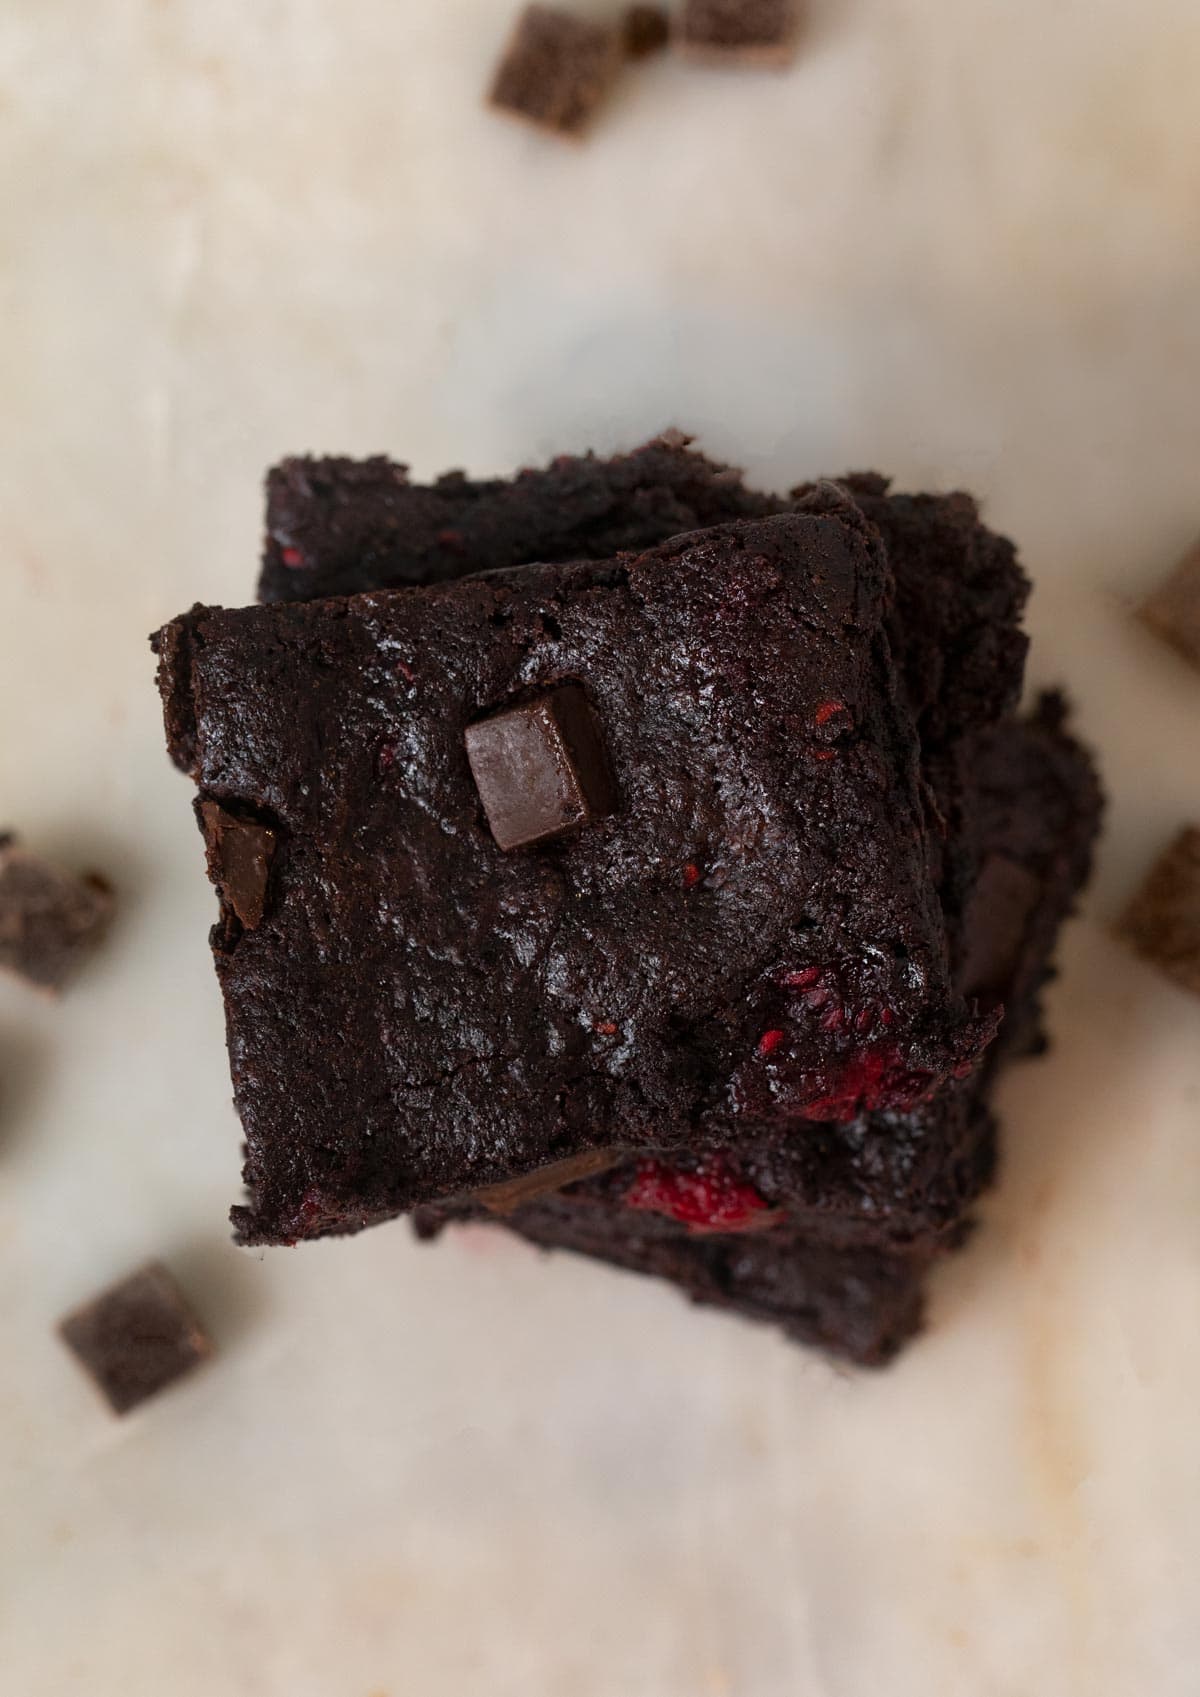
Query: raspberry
{"x": 710, "y": 1199}
{"x": 769, "y": 1042}
{"x": 802, "y": 980}
{"x": 827, "y": 709}
{"x": 691, "y": 875}
{"x": 292, "y": 558}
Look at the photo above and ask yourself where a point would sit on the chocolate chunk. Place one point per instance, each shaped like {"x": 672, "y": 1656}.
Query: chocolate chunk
{"x": 49, "y": 919}
{"x": 136, "y": 1338}
{"x": 1173, "y": 610}
{"x": 1163, "y": 920}
{"x": 644, "y": 30}
{"x": 750, "y": 31}
{"x": 540, "y": 768}
{"x": 556, "y": 69}
{"x": 998, "y": 915}
{"x": 240, "y": 852}
{"x": 514, "y": 1193}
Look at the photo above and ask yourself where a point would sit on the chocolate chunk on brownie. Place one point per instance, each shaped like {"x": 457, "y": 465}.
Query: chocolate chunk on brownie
{"x": 136, "y": 1338}
{"x": 752, "y": 935}
{"x": 1162, "y": 922}
{"x": 50, "y": 920}
{"x": 644, "y": 30}
{"x": 556, "y": 69}
{"x": 1173, "y": 610}
{"x": 337, "y": 526}
{"x": 746, "y": 31}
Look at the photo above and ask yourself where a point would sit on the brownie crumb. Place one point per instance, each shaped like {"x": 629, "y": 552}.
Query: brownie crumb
{"x": 136, "y": 1338}
{"x": 644, "y": 30}
{"x": 49, "y": 919}
{"x": 1163, "y": 920}
{"x": 1173, "y": 610}
{"x": 746, "y": 31}
{"x": 556, "y": 70}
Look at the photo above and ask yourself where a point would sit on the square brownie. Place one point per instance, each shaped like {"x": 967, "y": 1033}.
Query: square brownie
{"x": 1172, "y": 610}
{"x": 758, "y": 32}
{"x": 421, "y": 1012}
{"x": 136, "y": 1338}
{"x": 1162, "y": 922}
{"x": 50, "y": 920}
{"x": 556, "y": 69}
{"x": 828, "y": 1230}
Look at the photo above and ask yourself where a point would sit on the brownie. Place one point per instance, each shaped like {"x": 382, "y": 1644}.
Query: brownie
{"x": 1162, "y": 922}
{"x": 136, "y": 1338}
{"x": 859, "y": 1303}
{"x": 895, "y": 1178}
{"x": 556, "y": 70}
{"x": 338, "y": 526}
{"x": 751, "y": 935}
{"x": 1172, "y": 611}
{"x": 644, "y": 30}
{"x": 50, "y": 920}
{"x": 741, "y": 31}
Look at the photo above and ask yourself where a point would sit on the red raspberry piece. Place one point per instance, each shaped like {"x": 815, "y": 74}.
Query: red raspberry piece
{"x": 691, "y": 875}
{"x": 292, "y": 558}
{"x": 712, "y": 1198}
{"x": 769, "y": 1042}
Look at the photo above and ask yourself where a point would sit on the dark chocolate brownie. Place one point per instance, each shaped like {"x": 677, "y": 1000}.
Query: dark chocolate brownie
{"x": 826, "y": 1228}
{"x": 1172, "y": 611}
{"x": 136, "y": 1338}
{"x": 338, "y": 526}
{"x": 556, "y": 70}
{"x": 50, "y": 920}
{"x": 644, "y": 30}
{"x": 902, "y": 1177}
{"x": 757, "y": 917}
{"x": 744, "y": 31}
{"x": 1162, "y": 922}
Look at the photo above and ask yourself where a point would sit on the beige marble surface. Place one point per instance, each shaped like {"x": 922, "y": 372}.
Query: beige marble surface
{"x": 960, "y": 241}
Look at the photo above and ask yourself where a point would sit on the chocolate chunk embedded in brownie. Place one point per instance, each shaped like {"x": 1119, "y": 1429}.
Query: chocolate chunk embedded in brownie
{"x": 50, "y": 920}
{"x": 751, "y": 934}
{"x": 136, "y": 1338}
{"x": 556, "y": 69}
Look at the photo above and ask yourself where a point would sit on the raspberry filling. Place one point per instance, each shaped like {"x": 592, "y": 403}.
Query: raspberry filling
{"x": 708, "y": 1198}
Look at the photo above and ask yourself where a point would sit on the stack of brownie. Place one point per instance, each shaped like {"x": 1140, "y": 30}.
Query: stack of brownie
{"x": 652, "y": 867}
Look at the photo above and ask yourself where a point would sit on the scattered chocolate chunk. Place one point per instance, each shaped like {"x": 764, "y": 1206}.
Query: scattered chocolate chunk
{"x": 136, "y": 1338}
{"x": 1173, "y": 610}
{"x": 49, "y": 919}
{"x": 540, "y": 768}
{"x": 997, "y": 919}
{"x": 239, "y": 861}
{"x": 514, "y": 1193}
{"x": 556, "y": 69}
{"x": 644, "y": 30}
{"x": 750, "y": 31}
{"x": 1163, "y": 920}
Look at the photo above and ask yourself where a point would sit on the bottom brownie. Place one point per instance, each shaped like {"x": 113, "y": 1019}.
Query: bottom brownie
{"x": 828, "y": 1230}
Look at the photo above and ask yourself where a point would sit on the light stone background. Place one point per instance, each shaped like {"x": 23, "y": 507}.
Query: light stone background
{"x": 959, "y": 241}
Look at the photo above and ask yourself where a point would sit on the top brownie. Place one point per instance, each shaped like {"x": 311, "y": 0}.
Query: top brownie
{"x": 442, "y": 986}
